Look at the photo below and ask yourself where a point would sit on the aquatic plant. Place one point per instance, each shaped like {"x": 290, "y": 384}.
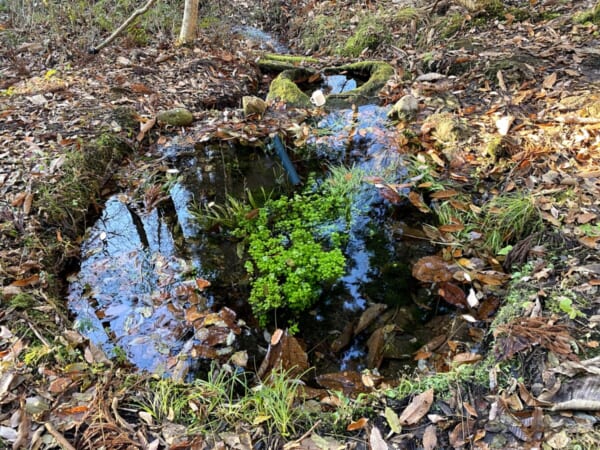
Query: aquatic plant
{"x": 294, "y": 246}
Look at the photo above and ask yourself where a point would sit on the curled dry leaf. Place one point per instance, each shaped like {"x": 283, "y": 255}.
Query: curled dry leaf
{"x": 417, "y": 201}
{"x": 202, "y": 284}
{"x": 276, "y": 336}
{"x": 357, "y": 424}
{"x": 503, "y": 124}
{"x": 472, "y": 299}
{"x": 287, "y": 354}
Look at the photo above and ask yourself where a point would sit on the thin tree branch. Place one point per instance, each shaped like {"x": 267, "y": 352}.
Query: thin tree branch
{"x": 108, "y": 40}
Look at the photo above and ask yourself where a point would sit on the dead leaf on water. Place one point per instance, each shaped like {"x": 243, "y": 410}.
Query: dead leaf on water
{"x": 431, "y": 269}
{"x": 348, "y": 381}
{"x": 287, "y": 355}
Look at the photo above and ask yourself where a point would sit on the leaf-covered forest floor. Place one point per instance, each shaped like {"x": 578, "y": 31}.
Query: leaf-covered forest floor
{"x": 512, "y": 113}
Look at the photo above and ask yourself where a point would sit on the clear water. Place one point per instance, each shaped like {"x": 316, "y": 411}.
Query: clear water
{"x": 135, "y": 264}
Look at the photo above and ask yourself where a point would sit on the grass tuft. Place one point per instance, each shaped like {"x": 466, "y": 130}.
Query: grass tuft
{"x": 509, "y": 218}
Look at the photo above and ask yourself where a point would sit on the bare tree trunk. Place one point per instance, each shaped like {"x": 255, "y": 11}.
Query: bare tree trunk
{"x": 189, "y": 23}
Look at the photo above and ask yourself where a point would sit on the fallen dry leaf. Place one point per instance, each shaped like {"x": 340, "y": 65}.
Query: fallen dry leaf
{"x": 447, "y": 193}
{"x": 550, "y": 80}
{"x": 393, "y": 420}
{"x": 29, "y": 281}
{"x": 430, "y": 441}
{"x": 357, "y": 424}
{"x": 466, "y": 358}
{"x": 417, "y": 200}
{"x": 376, "y": 440}
{"x": 145, "y": 127}
{"x": 417, "y": 408}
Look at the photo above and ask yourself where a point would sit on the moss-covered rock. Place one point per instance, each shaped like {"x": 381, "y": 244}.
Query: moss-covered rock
{"x": 284, "y": 88}
{"x": 177, "y": 117}
{"x": 126, "y": 117}
{"x": 377, "y": 74}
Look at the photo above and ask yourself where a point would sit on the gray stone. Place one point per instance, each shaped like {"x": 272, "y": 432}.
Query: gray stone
{"x": 253, "y": 105}
{"x": 405, "y": 109}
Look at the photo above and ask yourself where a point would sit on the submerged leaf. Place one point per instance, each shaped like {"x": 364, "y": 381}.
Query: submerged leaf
{"x": 369, "y": 316}
{"x": 431, "y": 269}
{"x": 453, "y": 294}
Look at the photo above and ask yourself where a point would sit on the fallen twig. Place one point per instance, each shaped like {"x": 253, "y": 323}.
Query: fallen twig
{"x": 62, "y": 441}
{"x": 108, "y": 40}
{"x": 576, "y": 120}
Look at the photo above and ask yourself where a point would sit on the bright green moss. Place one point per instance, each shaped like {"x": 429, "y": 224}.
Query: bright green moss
{"x": 283, "y": 88}
{"x": 294, "y": 249}
{"x": 369, "y": 34}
